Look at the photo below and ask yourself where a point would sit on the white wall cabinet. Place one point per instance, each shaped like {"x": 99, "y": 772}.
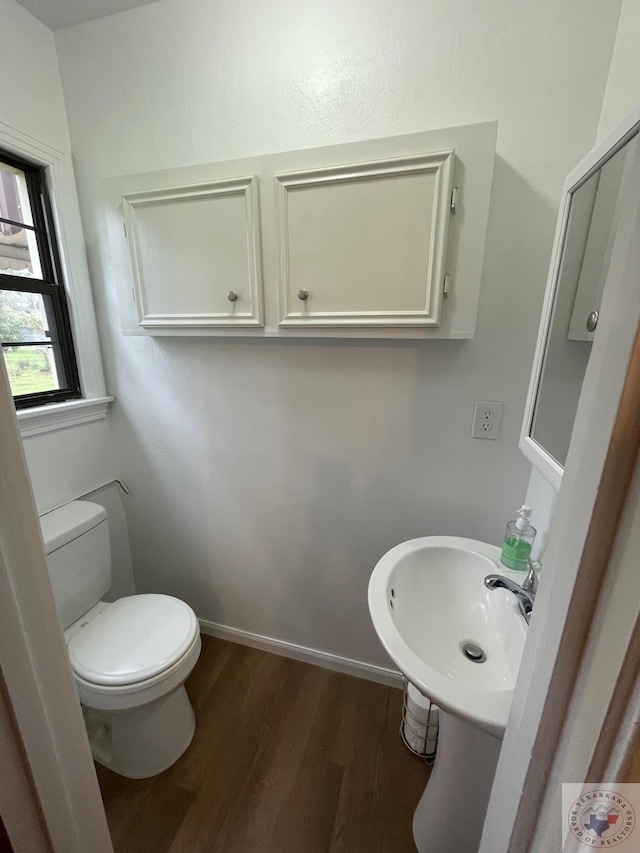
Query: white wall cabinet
{"x": 351, "y": 240}
{"x": 364, "y": 244}
{"x": 195, "y": 254}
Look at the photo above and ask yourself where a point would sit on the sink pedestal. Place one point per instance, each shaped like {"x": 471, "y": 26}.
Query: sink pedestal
{"x": 451, "y": 812}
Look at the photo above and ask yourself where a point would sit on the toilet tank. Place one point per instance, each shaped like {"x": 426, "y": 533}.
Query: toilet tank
{"x": 76, "y": 539}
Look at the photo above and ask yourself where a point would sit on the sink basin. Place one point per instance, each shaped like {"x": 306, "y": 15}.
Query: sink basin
{"x": 427, "y": 599}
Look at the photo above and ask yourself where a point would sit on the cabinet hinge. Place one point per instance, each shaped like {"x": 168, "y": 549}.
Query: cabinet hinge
{"x": 133, "y": 294}
{"x": 454, "y": 200}
{"x": 445, "y": 284}
{"x": 124, "y": 228}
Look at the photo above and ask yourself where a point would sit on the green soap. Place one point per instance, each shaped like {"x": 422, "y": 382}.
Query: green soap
{"x": 515, "y": 552}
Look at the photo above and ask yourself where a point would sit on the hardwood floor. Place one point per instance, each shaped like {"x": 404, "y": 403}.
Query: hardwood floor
{"x": 287, "y": 758}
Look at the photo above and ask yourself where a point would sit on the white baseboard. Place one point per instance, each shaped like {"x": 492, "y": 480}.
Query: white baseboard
{"x": 371, "y": 672}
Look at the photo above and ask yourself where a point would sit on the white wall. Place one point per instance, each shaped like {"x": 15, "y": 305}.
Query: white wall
{"x": 65, "y": 463}
{"x": 31, "y": 98}
{"x": 268, "y": 477}
{"x": 78, "y": 461}
{"x": 622, "y": 94}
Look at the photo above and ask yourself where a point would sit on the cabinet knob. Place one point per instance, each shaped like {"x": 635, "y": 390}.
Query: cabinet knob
{"x": 303, "y": 294}
{"x": 592, "y": 321}
{"x": 232, "y": 296}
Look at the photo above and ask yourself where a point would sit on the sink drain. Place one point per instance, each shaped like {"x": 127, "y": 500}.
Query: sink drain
{"x": 473, "y": 653}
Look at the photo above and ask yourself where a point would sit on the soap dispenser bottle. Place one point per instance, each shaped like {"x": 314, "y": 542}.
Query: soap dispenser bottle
{"x": 518, "y": 540}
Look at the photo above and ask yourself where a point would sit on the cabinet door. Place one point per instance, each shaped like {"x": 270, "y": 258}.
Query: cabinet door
{"x": 195, "y": 253}
{"x": 364, "y": 244}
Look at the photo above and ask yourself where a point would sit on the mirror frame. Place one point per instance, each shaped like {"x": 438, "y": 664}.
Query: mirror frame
{"x": 541, "y": 460}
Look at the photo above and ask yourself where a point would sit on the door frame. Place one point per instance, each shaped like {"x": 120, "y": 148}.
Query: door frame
{"x": 49, "y": 794}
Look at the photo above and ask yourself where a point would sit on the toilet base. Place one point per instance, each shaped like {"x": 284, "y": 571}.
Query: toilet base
{"x": 143, "y": 741}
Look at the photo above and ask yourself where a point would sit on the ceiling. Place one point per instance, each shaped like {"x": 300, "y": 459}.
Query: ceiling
{"x": 57, "y": 14}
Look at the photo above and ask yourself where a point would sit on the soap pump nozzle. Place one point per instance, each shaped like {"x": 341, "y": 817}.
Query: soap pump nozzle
{"x": 523, "y": 517}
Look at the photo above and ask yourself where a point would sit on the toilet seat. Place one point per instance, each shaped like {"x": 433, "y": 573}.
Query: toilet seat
{"x": 124, "y": 697}
{"x": 132, "y": 642}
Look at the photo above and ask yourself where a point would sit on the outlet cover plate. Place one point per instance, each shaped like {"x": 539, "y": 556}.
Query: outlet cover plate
{"x": 487, "y": 417}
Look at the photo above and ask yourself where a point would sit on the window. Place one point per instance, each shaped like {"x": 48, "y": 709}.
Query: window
{"x": 35, "y": 331}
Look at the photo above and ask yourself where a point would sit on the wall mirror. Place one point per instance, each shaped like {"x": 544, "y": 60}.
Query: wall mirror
{"x": 593, "y": 200}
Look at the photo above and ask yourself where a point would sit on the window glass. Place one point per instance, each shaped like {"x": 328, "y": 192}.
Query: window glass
{"x": 29, "y": 342}
{"x": 18, "y": 245}
{"x": 35, "y": 331}
{"x": 14, "y": 195}
{"x": 31, "y": 369}
{"x": 19, "y": 251}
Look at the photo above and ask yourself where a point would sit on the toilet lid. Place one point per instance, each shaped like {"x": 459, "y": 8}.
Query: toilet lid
{"x": 133, "y": 639}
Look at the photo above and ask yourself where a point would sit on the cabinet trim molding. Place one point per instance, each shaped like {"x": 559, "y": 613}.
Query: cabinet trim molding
{"x": 440, "y": 164}
{"x": 247, "y": 187}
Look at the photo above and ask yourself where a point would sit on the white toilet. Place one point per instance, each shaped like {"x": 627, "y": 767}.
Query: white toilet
{"x": 130, "y": 658}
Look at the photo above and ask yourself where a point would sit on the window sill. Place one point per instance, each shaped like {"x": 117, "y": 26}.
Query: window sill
{"x": 56, "y": 416}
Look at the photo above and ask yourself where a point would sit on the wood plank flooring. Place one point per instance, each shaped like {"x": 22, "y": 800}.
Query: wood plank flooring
{"x": 287, "y": 758}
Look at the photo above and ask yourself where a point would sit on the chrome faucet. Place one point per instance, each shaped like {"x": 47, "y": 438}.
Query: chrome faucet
{"x": 526, "y": 594}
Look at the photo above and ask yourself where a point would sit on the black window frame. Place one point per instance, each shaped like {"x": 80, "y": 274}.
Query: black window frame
{"x": 51, "y": 284}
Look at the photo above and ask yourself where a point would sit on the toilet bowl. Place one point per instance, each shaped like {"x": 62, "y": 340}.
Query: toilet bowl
{"x": 130, "y": 658}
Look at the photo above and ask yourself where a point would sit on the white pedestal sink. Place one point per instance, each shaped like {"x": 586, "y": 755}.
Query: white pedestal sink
{"x": 427, "y": 599}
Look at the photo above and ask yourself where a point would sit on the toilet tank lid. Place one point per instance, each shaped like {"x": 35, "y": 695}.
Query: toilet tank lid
{"x": 63, "y": 525}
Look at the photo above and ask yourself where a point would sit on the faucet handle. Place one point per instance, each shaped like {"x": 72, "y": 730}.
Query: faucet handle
{"x": 531, "y": 581}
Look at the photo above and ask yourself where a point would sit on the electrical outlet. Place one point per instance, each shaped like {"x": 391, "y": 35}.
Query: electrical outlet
{"x": 487, "y": 416}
